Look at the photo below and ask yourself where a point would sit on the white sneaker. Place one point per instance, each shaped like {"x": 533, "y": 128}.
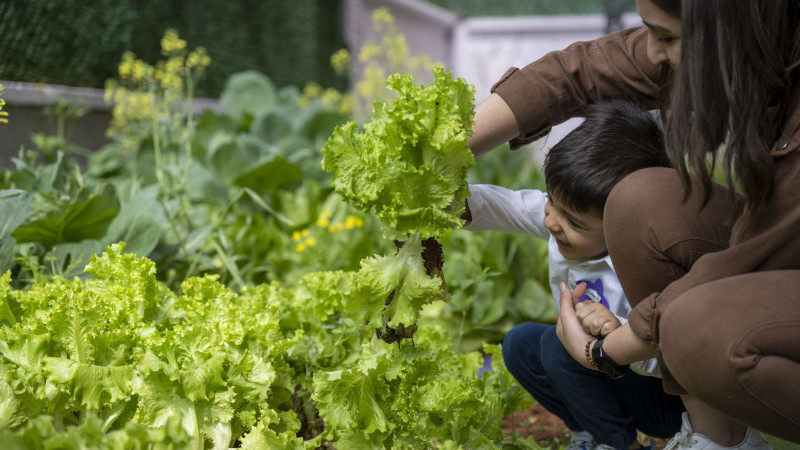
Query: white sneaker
{"x": 688, "y": 440}
{"x": 581, "y": 440}
{"x": 605, "y": 447}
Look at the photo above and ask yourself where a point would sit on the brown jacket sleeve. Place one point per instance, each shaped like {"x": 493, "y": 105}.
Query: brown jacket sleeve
{"x": 562, "y": 84}
{"x": 765, "y": 241}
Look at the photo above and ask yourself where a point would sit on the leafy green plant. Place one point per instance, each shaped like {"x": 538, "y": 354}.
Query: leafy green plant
{"x": 222, "y": 192}
{"x": 388, "y": 54}
{"x": 119, "y": 358}
{"x": 496, "y": 280}
{"x": 407, "y": 167}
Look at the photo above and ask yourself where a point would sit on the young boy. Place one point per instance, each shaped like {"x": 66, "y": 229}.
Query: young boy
{"x": 617, "y": 138}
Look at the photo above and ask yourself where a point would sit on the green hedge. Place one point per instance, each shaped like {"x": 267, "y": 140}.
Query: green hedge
{"x": 80, "y": 42}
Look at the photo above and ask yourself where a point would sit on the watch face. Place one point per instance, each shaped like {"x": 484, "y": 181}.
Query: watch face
{"x": 606, "y": 364}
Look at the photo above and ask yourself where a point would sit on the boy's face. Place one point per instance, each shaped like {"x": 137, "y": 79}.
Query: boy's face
{"x": 579, "y": 234}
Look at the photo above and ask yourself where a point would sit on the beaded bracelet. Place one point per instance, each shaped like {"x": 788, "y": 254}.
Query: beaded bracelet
{"x": 589, "y": 355}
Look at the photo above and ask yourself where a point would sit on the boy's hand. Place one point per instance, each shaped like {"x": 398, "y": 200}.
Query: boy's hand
{"x": 596, "y": 319}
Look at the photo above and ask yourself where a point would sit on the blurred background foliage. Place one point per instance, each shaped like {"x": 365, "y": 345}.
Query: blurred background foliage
{"x": 79, "y": 42}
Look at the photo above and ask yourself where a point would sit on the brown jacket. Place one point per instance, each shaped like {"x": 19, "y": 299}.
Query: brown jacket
{"x": 562, "y": 84}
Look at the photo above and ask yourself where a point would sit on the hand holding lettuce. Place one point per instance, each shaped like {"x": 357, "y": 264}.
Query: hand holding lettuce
{"x": 406, "y": 165}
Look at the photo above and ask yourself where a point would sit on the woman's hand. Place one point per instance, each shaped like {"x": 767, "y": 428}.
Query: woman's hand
{"x": 596, "y": 319}
{"x": 569, "y": 328}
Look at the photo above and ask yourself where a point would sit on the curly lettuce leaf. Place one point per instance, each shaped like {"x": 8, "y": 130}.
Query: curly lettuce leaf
{"x": 402, "y": 274}
{"x": 410, "y": 161}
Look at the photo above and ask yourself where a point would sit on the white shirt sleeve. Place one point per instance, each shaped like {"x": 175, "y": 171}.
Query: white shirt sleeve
{"x": 494, "y": 208}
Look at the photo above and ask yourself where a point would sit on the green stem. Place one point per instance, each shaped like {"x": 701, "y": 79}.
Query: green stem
{"x": 115, "y": 413}
{"x": 461, "y": 329}
{"x": 189, "y": 111}
{"x": 157, "y": 146}
{"x": 198, "y": 435}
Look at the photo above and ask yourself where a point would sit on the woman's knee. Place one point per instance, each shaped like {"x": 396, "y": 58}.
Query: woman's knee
{"x": 732, "y": 344}
{"x": 725, "y": 327}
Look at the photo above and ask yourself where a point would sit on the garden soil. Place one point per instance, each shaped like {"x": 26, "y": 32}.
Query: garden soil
{"x": 549, "y": 431}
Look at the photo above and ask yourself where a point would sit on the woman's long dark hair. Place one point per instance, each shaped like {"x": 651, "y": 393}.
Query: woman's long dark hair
{"x": 731, "y": 88}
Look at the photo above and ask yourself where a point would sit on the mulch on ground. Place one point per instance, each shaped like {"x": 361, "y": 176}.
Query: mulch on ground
{"x": 549, "y": 431}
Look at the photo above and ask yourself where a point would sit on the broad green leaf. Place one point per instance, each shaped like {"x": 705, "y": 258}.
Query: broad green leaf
{"x": 271, "y": 125}
{"x": 228, "y": 160}
{"x": 141, "y": 223}
{"x": 536, "y": 302}
{"x": 15, "y": 206}
{"x": 247, "y": 93}
{"x": 85, "y": 220}
{"x": 203, "y": 185}
{"x": 70, "y": 259}
{"x": 274, "y": 173}
{"x": 316, "y": 122}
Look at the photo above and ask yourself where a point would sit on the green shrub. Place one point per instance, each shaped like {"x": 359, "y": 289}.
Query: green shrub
{"x": 79, "y": 42}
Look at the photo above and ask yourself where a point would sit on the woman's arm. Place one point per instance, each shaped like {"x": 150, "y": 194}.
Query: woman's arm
{"x": 621, "y": 345}
{"x": 561, "y": 85}
{"x": 495, "y": 125}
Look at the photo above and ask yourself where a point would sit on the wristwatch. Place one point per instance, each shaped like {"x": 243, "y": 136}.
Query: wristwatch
{"x": 604, "y": 363}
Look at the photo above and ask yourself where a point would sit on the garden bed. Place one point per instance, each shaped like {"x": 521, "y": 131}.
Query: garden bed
{"x": 549, "y": 431}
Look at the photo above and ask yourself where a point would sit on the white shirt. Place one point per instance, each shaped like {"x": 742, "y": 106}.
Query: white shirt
{"x": 494, "y": 208}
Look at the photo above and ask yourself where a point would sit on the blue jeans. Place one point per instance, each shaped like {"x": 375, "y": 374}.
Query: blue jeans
{"x": 587, "y": 400}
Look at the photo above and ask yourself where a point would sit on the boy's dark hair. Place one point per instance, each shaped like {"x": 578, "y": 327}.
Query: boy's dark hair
{"x": 617, "y": 138}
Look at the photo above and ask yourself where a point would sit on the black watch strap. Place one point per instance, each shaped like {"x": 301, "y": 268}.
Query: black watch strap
{"x": 604, "y": 362}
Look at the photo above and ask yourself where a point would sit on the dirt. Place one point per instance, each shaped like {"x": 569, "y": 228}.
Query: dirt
{"x": 540, "y": 424}
{"x": 549, "y": 431}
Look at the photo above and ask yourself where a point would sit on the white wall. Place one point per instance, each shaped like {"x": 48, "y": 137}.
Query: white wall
{"x": 479, "y": 49}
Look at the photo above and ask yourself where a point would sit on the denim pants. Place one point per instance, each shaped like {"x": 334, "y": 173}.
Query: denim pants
{"x": 587, "y": 400}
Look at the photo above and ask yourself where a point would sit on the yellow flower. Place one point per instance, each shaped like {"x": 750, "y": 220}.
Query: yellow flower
{"x": 346, "y": 105}
{"x": 323, "y": 222}
{"x": 171, "y": 43}
{"x": 340, "y": 61}
{"x": 126, "y": 66}
{"x": 382, "y": 15}
{"x": 353, "y": 222}
{"x": 296, "y": 236}
{"x": 141, "y": 71}
{"x": 331, "y": 97}
{"x": 3, "y": 114}
{"x": 312, "y": 89}
{"x": 310, "y": 241}
{"x": 174, "y": 65}
{"x": 304, "y": 233}
{"x": 172, "y": 82}
{"x": 198, "y": 58}
{"x": 300, "y": 247}
{"x": 368, "y": 51}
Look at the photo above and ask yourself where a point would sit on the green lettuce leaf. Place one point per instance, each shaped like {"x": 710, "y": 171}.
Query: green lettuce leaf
{"x": 402, "y": 275}
{"x": 410, "y": 161}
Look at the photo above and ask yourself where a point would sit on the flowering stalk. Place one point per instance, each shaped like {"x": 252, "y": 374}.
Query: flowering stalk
{"x": 3, "y": 114}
